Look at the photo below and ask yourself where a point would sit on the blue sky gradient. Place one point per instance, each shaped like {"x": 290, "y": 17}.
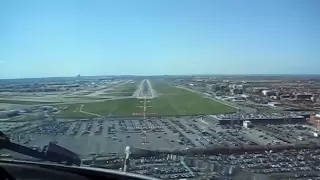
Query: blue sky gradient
{"x": 154, "y": 37}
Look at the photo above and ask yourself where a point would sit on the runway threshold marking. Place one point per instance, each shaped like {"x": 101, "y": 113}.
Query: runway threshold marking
{"x": 145, "y": 106}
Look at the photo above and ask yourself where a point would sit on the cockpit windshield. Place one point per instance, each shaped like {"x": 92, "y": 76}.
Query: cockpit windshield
{"x": 172, "y": 89}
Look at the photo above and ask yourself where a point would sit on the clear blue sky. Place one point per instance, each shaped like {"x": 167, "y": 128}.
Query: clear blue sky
{"x": 40, "y": 38}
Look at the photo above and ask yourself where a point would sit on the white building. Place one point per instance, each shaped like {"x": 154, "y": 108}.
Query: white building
{"x": 247, "y": 124}
{"x": 267, "y": 92}
{"x": 274, "y": 104}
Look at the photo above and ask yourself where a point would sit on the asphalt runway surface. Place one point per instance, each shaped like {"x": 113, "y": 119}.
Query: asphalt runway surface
{"x": 145, "y": 90}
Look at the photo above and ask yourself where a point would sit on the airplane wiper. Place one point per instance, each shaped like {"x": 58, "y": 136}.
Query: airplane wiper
{"x": 51, "y": 152}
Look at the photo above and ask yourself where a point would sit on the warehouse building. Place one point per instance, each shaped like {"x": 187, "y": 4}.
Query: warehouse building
{"x": 261, "y": 119}
{"x": 315, "y": 120}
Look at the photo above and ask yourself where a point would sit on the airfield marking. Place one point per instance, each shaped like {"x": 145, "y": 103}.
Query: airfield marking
{"x": 85, "y": 112}
{"x": 145, "y": 98}
{"x": 145, "y": 106}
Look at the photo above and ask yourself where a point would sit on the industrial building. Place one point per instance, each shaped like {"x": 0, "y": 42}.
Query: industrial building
{"x": 269, "y": 93}
{"x": 303, "y": 96}
{"x": 264, "y": 121}
{"x": 260, "y": 119}
{"x": 315, "y": 120}
{"x": 247, "y": 124}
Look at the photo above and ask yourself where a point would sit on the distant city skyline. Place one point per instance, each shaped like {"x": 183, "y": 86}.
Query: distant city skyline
{"x": 160, "y": 37}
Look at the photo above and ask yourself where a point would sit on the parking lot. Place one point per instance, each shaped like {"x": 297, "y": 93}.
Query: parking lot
{"x": 300, "y": 164}
{"x": 11, "y": 126}
{"x": 108, "y": 137}
{"x": 112, "y": 135}
{"x": 297, "y": 133}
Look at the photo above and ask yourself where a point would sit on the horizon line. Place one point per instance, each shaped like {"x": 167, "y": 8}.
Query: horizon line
{"x": 272, "y": 74}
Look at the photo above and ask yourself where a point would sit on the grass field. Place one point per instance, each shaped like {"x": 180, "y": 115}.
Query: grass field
{"x": 177, "y": 101}
{"x": 72, "y": 111}
{"x": 123, "y": 90}
{"x": 121, "y": 107}
{"x": 22, "y": 102}
{"x": 84, "y": 93}
{"x": 172, "y": 101}
{"x": 28, "y": 117}
{"x": 87, "y": 97}
{"x": 117, "y": 94}
{"x": 166, "y": 89}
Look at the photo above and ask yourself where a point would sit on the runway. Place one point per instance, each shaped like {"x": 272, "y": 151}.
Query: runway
{"x": 145, "y": 90}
